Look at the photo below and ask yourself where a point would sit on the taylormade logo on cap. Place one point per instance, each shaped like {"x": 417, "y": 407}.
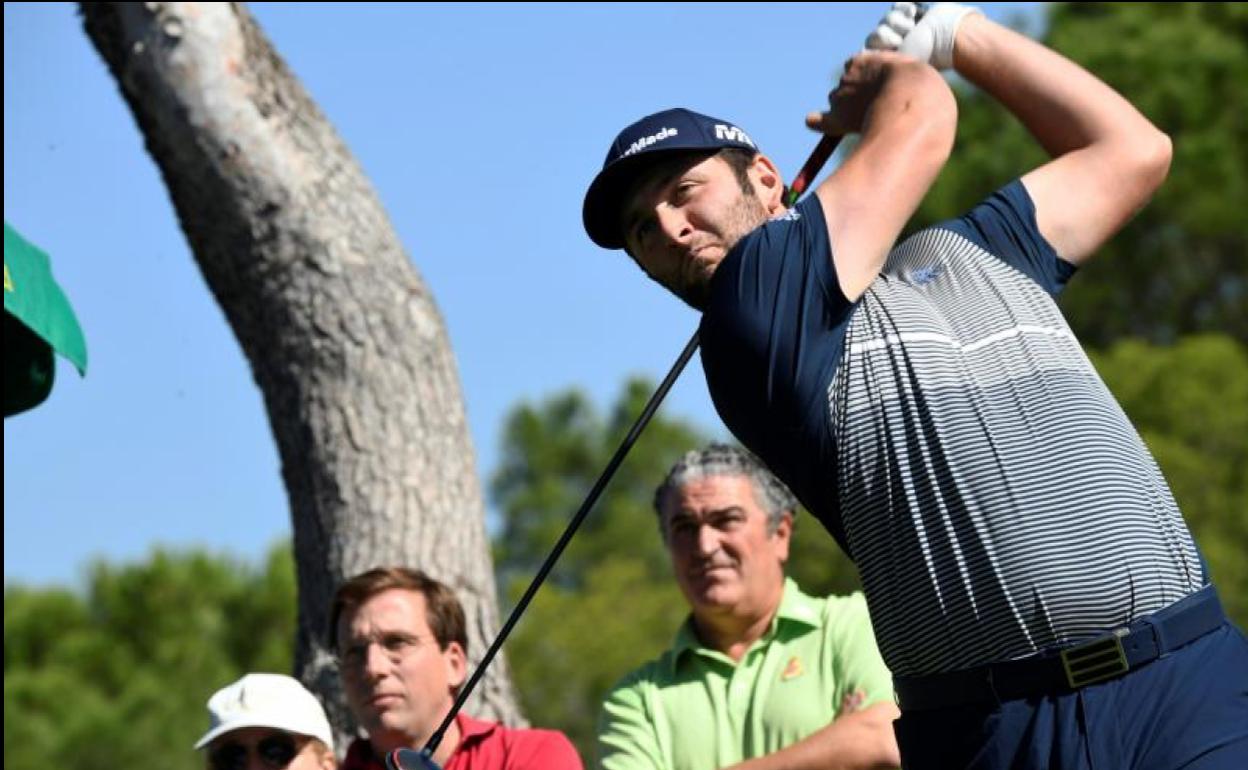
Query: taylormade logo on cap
{"x": 646, "y": 141}
{"x": 662, "y": 134}
{"x": 732, "y": 134}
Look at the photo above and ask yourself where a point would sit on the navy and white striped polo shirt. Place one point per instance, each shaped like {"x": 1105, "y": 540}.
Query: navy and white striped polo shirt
{"x": 950, "y": 432}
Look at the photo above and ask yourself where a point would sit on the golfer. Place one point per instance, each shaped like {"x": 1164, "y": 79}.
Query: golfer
{"x": 1033, "y": 586}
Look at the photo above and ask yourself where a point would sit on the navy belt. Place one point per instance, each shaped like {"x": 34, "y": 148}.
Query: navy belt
{"x": 1099, "y": 659}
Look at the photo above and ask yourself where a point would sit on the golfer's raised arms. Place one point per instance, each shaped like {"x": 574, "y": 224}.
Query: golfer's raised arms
{"x": 907, "y": 117}
{"x": 1108, "y": 158}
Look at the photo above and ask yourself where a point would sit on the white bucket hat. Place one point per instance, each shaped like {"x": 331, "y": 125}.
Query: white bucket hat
{"x": 267, "y": 700}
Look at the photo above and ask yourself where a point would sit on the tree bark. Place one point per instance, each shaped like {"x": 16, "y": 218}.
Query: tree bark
{"x": 343, "y": 337}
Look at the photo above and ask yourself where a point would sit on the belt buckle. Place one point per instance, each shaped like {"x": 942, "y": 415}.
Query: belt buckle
{"x": 1095, "y": 661}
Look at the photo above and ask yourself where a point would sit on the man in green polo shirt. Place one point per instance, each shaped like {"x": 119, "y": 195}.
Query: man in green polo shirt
{"x": 760, "y": 675}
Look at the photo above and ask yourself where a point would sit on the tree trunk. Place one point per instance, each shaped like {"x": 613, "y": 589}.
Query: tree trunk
{"x": 342, "y": 336}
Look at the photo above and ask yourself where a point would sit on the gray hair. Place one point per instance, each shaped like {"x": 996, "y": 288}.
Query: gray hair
{"x": 726, "y": 460}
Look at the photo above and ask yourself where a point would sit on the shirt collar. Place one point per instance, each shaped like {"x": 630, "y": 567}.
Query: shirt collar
{"x": 795, "y": 607}
{"x": 360, "y": 754}
{"x": 472, "y": 729}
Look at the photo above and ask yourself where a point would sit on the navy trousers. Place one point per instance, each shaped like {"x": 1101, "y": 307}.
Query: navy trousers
{"x": 1187, "y": 710}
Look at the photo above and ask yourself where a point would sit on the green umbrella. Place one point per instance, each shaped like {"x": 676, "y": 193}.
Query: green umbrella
{"x": 37, "y": 322}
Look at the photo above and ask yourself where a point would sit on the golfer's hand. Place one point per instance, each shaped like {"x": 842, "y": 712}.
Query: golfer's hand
{"x": 849, "y": 102}
{"x": 930, "y": 39}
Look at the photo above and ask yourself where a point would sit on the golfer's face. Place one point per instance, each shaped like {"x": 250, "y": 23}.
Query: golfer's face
{"x": 683, "y": 218}
{"x": 724, "y": 559}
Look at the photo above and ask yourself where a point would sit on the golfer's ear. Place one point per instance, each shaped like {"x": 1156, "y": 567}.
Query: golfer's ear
{"x": 768, "y": 183}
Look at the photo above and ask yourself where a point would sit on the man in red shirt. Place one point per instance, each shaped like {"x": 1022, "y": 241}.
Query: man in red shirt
{"x": 401, "y": 642}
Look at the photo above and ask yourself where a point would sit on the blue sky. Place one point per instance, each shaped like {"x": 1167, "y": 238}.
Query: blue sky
{"x": 479, "y": 126}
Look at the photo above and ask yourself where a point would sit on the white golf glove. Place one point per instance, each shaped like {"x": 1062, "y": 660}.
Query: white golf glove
{"x": 929, "y": 40}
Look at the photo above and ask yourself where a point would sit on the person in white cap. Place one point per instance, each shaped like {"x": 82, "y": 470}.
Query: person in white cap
{"x": 267, "y": 721}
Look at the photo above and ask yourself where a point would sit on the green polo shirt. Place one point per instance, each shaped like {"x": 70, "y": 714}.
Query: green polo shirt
{"x": 694, "y": 708}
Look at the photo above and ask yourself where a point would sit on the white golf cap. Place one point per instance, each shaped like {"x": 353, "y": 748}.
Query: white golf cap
{"x": 267, "y": 700}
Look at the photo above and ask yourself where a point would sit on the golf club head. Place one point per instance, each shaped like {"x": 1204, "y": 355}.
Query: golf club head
{"x": 410, "y": 759}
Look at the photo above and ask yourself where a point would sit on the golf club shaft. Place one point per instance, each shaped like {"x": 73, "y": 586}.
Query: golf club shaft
{"x": 822, "y": 152}
{"x": 651, "y": 407}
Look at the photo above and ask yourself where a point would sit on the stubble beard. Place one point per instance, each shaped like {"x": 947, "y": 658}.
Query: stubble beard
{"x": 745, "y": 215}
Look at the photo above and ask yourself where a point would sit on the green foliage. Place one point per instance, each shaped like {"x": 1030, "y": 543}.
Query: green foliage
{"x": 1181, "y": 266}
{"x": 817, "y": 563}
{"x": 552, "y": 455}
{"x": 611, "y": 602}
{"x": 1190, "y": 404}
{"x": 118, "y": 677}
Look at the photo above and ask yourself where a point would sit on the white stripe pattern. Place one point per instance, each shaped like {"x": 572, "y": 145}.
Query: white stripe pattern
{"x": 995, "y": 497}
{"x": 897, "y": 339}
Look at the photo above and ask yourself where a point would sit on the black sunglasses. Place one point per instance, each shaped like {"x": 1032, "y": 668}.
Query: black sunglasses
{"x": 275, "y": 751}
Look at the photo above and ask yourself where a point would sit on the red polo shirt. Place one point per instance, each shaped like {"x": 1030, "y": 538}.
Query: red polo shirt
{"x": 488, "y": 746}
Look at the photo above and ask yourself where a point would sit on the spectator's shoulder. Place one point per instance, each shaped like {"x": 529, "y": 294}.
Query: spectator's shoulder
{"x": 652, "y": 673}
{"x": 542, "y": 749}
{"x": 852, "y": 603}
{"x": 841, "y": 613}
{"x": 828, "y": 607}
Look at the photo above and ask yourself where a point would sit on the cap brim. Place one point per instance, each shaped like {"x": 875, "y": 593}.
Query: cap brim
{"x": 258, "y": 721}
{"x": 604, "y": 201}
{"x": 220, "y": 730}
